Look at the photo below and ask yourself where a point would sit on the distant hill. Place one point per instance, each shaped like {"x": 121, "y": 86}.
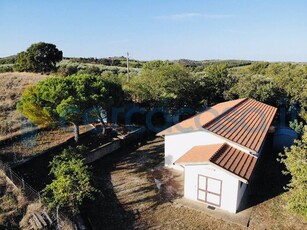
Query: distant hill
{"x": 8, "y": 60}
{"x": 107, "y": 61}
{"x": 229, "y": 63}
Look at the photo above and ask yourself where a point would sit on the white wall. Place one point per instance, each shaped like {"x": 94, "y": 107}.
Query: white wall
{"x": 229, "y": 185}
{"x": 178, "y": 144}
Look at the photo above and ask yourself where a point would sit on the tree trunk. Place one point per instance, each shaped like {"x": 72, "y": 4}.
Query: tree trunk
{"x": 102, "y": 122}
{"x": 103, "y": 126}
{"x": 76, "y": 132}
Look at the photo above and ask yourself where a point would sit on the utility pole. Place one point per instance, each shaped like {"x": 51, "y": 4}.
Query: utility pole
{"x": 128, "y": 76}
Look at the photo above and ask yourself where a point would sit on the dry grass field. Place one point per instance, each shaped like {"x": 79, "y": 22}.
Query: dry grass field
{"x": 11, "y": 87}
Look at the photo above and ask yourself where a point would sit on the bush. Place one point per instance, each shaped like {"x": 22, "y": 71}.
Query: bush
{"x": 8, "y": 60}
{"x": 295, "y": 160}
{"x": 67, "y": 70}
{"x": 92, "y": 70}
{"x": 6, "y": 68}
{"x": 72, "y": 181}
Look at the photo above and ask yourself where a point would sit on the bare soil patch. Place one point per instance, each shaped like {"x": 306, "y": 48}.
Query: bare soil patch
{"x": 29, "y": 145}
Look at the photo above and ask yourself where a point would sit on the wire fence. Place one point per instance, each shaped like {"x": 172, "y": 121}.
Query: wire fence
{"x": 32, "y": 195}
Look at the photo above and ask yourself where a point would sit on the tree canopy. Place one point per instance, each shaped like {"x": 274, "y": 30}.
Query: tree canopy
{"x": 77, "y": 99}
{"x": 40, "y": 57}
{"x": 215, "y": 81}
{"x": 257, "y": 87}
{"x": 71, "y": 184}
{"x": 167, "y": 85}
{"x": 295, "y": 159}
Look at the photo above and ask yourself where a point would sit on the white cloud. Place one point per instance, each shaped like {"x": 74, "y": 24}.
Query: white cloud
{"x": 184, "y": 16}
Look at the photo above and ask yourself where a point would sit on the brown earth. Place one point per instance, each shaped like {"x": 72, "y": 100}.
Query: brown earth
{"x": 30, "y": 145}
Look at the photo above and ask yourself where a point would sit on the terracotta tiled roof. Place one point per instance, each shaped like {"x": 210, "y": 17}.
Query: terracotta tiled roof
{"x": 246, "y": 124}
{"x": 235, "y": 161}
{"x": 243, "y": 121}
{"x": 201, "y": 153}
{"x": 223, "y": 155}
{"x": 196, "y": 122}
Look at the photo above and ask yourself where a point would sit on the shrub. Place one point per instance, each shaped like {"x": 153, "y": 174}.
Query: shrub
{"x": 72, "y": 181}
{"x": 295, "y": 160}
{"x": 67, "y": 70}
{"x": 6, "y": 68}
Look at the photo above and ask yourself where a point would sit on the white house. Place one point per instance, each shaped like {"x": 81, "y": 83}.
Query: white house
{"x": 218, "y": 150}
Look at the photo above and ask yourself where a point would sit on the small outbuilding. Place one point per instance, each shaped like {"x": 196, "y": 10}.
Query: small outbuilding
{"x": 218, "y": 150}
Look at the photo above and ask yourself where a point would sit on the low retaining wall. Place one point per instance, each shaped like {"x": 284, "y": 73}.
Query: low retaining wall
{"x": 116, "y": 144}
{"x": 102, "y": 151}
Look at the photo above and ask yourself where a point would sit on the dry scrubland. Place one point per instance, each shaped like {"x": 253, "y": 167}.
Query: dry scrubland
{"x": 11, "y": 87}
{"x": 16, "y": 210}
{"x": 12, "y": 204}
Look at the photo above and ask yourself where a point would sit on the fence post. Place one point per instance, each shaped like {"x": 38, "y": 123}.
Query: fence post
{"x": 57, "y": 217}
{"x": 23, "y": 183}
{"x": 39, "y": 197}
{"x": 10, "y": 171}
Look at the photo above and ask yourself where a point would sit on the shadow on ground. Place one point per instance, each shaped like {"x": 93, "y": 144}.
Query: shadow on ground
{"x": 106, "y": 211}
{"x": 268, "y": 180}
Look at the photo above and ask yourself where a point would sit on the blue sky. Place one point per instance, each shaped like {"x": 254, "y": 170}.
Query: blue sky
{"x": 272, "y": 30}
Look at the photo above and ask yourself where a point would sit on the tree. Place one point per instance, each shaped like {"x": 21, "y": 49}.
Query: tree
{"x": 29, "y": 108}
{"x": 295, "y": 160}
{"x": 259, "y": 67}
{"x": 40, "y": 57}
{"x": 71, "y": 184}
{"x": 258, "y": 87}
{"x": 77, "y": 99}
{"x": 165, "y": 84}
{"x": 215, "y": 82}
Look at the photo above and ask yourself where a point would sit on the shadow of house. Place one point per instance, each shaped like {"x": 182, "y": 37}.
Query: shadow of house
{"x": 268, "y": 180}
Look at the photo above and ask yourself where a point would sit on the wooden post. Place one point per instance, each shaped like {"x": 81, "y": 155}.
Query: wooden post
{"x": 11, "y": 177}
{"x": 57, "y": 217}
{"x": 39, "y": 197}
{"x": 23, "y": 183}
